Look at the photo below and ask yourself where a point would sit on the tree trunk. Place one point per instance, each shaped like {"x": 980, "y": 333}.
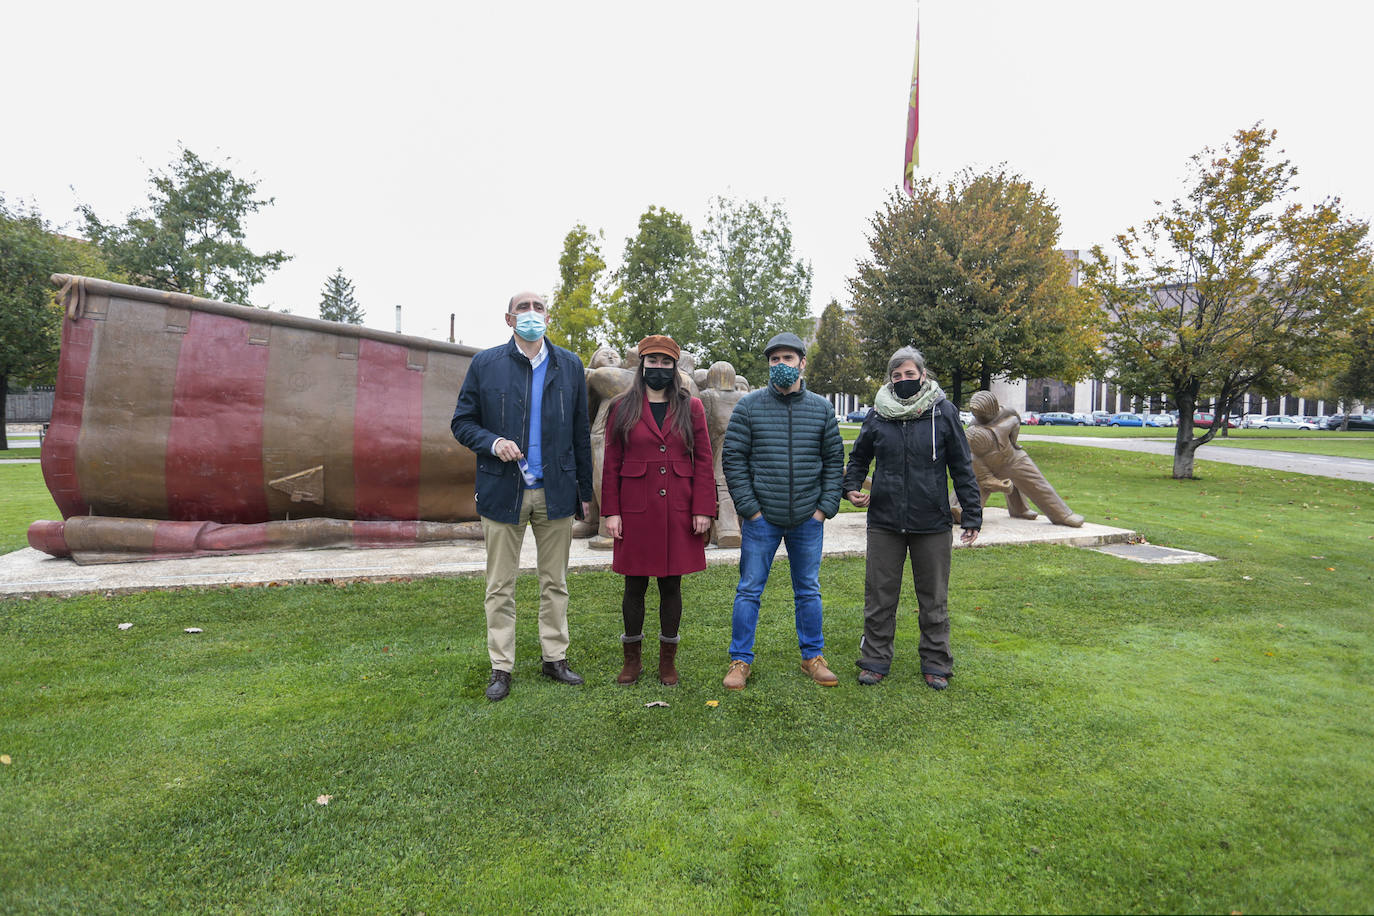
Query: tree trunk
{"x": 1184, "y": 446}
{"x": 985, "y": 380}
{"x": 956, "y": 387}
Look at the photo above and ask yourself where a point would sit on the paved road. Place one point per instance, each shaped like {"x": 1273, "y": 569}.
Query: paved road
{"x": 1361, "y": 469}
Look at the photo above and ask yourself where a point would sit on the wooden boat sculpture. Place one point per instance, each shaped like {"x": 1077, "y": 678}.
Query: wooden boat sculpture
{"x": 184, "y": 426}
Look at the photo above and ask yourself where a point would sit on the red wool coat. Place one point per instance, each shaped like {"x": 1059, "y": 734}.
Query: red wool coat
{"x": 656, "y": 485}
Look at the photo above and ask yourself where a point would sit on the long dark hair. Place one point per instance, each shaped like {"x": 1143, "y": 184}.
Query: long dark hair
{"x": 628, "y": 407}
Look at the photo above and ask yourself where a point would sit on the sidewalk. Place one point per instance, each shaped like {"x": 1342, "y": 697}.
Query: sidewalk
{"x": 30, "y": 572}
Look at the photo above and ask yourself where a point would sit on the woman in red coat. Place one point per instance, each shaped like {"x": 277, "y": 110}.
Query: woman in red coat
{"x": 658, "y": 496}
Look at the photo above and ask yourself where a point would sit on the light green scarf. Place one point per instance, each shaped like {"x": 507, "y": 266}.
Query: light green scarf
{"x": 891, "y": 407}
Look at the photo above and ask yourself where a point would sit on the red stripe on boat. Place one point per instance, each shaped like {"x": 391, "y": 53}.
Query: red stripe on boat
{"x": 59, "y": 445}
{"x": 214, "y": 443}
{"x": 387, "y": 431}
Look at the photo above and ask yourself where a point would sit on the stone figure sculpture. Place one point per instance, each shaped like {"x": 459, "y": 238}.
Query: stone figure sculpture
{"x": 1002, "y": 466}
{"x": 607, "y": 376}
{"x": 719, "y": 397}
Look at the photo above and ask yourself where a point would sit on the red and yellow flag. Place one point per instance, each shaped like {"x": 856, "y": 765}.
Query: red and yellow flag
{"x": 913, "y": 154}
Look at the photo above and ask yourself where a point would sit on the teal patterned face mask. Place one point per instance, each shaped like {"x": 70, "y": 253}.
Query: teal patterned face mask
{"x": 783, "y": 375}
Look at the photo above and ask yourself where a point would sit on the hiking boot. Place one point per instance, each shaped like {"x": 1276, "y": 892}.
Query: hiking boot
{"x": 737, "y": 675}
{"x": 869, "y": 678}
{"x": 937, "y": 681}
{"x": 816, "y": 669}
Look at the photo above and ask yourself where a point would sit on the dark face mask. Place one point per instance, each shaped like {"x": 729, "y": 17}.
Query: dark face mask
{"x": 658, "y": 378}
{"x": 906, "y": 388}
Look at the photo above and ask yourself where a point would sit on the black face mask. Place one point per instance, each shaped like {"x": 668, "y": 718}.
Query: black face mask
{"x": 658, "y": 378}
{"x": 906, "y": 388}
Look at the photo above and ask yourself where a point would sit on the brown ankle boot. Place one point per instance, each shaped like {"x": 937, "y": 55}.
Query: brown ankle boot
{"x": 630, "y": 673}
{"x": 667, "y": 655}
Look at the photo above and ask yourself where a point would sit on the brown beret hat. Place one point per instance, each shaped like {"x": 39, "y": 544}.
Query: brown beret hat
{"x": 659, "y": 343}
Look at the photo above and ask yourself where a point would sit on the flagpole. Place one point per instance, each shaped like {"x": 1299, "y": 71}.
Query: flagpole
{"x": 913, "y": 150}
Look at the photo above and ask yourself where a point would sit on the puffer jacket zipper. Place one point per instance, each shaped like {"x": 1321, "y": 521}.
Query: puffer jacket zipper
{"x": 791, "y": 473}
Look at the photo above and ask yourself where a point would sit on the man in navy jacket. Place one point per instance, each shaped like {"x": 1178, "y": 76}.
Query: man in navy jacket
{"x": 523, "y": 412}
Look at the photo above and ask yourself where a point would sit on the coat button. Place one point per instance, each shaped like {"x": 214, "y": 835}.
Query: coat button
{"x": 662, "y": 492}
{"x": 663, "y": 470}
{"x": 663, "y": 448}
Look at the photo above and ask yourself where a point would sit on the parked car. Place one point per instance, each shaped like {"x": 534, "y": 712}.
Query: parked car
{"x": 1031, "y": 419}
{"x": 965, "y": 417}
{"x": 857, "y": 416}
{"x": 1125, "y": 419}
{"x": 1059, "y": 418}
{"x": 1084, "y": 419}
{"x": 1207, "y": 419}
{"x": 1158, "y": 419}
{"x": 1357, "y": 421}
{"x": 1101, "y": 417}
{"x": 1281, "y": 422}
{"x": 1251, "y": 420}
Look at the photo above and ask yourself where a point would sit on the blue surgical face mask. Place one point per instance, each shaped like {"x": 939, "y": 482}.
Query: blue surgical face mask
{"x": 783, "y": 375}
{"x": 530, "y": 325}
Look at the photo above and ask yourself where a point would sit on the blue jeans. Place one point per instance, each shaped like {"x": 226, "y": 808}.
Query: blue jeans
{"x": 757, "y": 549}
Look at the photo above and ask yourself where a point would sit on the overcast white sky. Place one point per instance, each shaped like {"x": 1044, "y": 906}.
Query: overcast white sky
{"x": 440, "y": 153}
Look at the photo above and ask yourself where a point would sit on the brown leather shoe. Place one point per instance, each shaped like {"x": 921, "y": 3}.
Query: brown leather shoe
{"x": 633, "y": 663}
{"x": 737, "y": 675}
{"x": 667, "y": 655}
{"x": 561, "y": 673}
{"x": 499, "y": 685}
{"x": 817, "y": 670}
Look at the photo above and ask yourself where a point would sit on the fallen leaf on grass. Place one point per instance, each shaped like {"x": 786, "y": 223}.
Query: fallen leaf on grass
{"x": 655, "y": 703}
{"x": 5, "y": 759}
{"x": 1330, "y": 569}
{"x": 1318, "y": 558}
{"x": 1246, "y": 578}
{"x": 193, "y": 630}
{"x": 125, "y": 626}
{"x": 324, "y": 799}
{"x": 713, "y": 703}
{"x": 1270, "y": 654}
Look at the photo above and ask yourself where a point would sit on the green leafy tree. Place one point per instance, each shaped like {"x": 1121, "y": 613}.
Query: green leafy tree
{"x": 1234, "y": 287}
{"x": 1347, "y": 376}
{"x": 578, "y": 319}
{"x": 968, "y": 271}
{"x": 190, "y": 239}
{"x": 30, "y": 318}
{"x": 835, "y": 363}
{"x": 755, "y": 286}
{"x": 337, "y": 302}
{"x": 659, "y": 284}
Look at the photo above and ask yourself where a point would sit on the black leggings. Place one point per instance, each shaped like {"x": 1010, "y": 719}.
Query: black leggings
{"x": 669, "y": 605}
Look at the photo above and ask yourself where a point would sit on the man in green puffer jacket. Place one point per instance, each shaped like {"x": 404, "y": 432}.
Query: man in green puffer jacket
{"x": 783, "y": 460}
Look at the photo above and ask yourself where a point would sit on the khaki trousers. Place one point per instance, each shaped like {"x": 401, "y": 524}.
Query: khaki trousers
{"x": 552, "y": 541}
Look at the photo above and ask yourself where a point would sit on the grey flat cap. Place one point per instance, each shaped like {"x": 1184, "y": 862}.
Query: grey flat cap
{"x": 785, "y": 339}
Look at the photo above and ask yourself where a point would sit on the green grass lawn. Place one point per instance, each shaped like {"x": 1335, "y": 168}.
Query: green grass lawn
{"x": 24, "y": 498}
{"x": 19, "y": 453}
{"x": 1118, "y": 737}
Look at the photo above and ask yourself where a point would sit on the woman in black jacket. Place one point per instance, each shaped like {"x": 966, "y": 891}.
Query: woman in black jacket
{"x": 915, "y": 437}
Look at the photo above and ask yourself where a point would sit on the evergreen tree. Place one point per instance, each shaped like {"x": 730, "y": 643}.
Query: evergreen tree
{"x": 337, "y": 302}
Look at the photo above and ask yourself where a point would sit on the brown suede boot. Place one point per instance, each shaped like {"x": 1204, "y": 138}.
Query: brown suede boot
{"x": 630, "y": 673}
{"x": 667, "y": 654}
